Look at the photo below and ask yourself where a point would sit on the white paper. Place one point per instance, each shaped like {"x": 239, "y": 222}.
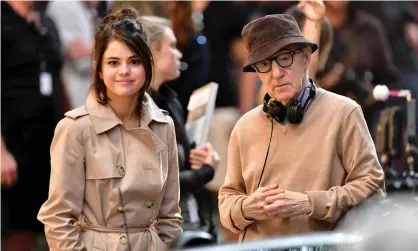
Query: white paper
{"x": 192, "y": 206}
{"x": 45, "y": 83}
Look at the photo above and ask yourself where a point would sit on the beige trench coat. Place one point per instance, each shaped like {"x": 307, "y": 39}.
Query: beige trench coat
{"x": 93, "y": 157}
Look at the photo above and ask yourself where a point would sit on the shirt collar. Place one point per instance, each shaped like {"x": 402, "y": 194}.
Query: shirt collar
{"x": 104, "y": 118}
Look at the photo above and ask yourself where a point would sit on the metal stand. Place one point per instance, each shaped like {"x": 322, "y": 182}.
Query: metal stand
{"x": 389, "y": 141}
{"x": 411, "y": 176}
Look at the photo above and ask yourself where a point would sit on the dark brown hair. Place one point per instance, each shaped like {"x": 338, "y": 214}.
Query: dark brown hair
{"x": 124, "y": 26}
{"x": 180, "y": 14}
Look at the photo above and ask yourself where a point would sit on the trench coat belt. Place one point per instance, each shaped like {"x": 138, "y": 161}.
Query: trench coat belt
{"x": 83, "y": 225}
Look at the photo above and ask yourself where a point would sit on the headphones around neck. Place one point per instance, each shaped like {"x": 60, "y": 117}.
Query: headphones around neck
{"x": 294, "y": 113}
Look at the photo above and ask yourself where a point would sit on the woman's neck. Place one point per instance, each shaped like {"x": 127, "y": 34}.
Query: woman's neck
{"x": 124, "y": 107}
{"x": 157, "y": 82}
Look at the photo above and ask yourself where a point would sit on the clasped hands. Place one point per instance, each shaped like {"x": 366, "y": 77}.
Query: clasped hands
{"x": 274, "y": 201}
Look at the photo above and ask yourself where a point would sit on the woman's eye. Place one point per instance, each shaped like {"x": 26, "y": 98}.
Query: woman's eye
{"x": 113, "y": 62}
{"x": 136, "y": 61}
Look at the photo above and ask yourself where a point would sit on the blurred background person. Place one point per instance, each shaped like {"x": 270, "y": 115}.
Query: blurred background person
{"x": 145, "y": 8}
{"x": 197, "y": 166}
{"x": 310, "y": 16}
{"x": 194, "y": 47}
{"x": 76, "y": 23}
{"x": 360, "y": 58}
{"x": 32, "y": 103}
{"x": 399, "y": 19}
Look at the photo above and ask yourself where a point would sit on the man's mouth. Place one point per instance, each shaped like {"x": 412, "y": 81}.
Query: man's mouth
{"x": 280, "y": 86}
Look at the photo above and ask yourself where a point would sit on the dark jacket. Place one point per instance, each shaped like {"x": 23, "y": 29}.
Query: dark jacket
{"x": 191, "y": 181}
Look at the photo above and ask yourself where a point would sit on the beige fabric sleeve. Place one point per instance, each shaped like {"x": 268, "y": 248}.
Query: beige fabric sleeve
{"x": 233, "y": 192}
{"x": 66, "y": 189}
{"x": 364, "y": 178}
{"x": 169, "y": 216}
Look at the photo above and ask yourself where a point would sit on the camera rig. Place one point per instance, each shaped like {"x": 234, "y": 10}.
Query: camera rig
{"x": 396, "y": 144}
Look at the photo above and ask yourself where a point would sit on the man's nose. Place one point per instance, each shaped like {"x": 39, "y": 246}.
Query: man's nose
{"x": 276, "y": 69}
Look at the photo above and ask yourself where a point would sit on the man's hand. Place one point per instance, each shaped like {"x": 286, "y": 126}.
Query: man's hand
{"x": 253, "y": 206}
{"x": 286, "y": 204}
{"x": 8, "y": 168}
{"x": 313, "y": 9}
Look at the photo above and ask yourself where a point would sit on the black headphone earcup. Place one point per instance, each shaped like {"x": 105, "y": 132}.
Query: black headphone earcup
{"x": 275, "y": 109}
{"x": 295, "y": 112}
{"x": 278, "y": 111}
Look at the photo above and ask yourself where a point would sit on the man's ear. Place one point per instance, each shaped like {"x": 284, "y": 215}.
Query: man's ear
{"x": 307, "y": 57}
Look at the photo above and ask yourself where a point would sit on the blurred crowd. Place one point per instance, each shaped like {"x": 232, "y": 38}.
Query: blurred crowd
{"x": 46, "y": 53}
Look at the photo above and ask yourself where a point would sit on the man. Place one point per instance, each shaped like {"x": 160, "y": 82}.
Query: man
{"x": 301, "y": 167}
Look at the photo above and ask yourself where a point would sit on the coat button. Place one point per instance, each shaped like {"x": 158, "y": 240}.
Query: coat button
{"x": 149, "y": 204}
{"x": 123, "y": 240}
{"x": 121, "y": 170}
{"x": 121, "y": 209}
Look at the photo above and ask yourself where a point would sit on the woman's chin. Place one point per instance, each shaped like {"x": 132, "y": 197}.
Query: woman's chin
{"x": 127, "y": 93}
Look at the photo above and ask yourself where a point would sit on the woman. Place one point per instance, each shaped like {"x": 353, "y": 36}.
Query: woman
{"x": 197, "y": 165}
{"x": 195, "y": 50}
{"x": 310, "y": 16}
{"x": 360, "y": 58}
{"x": 114, "y": 181}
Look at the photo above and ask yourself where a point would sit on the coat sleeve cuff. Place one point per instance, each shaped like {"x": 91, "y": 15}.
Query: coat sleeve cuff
{"x": 237, "y": 215}
{"x": 318, "y": 201}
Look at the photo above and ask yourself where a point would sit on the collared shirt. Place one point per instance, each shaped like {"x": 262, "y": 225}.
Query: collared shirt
{"x": 113, "y": 178}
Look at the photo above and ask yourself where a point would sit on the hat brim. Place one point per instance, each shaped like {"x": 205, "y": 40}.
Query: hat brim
{"x": 270, "y": 49}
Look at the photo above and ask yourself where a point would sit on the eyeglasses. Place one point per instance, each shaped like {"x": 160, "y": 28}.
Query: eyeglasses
{"x": 284, "y": 60}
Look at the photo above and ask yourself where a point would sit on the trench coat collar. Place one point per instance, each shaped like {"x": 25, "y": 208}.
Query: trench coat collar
{"x": 104, "y": 118}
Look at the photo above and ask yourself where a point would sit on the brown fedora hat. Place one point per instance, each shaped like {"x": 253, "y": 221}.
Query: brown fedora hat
{"x": 267, "y": 35}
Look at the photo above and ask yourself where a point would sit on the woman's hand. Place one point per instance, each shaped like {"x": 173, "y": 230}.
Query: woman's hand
{"x": 203, "y": 155}
{"x": 313, "y": 9}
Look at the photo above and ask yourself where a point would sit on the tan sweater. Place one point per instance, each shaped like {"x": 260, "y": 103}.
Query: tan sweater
{"x": 330, "y": 156}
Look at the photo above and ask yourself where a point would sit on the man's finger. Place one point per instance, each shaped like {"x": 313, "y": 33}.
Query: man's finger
{"x": 272, "y": 207}
{"x": 274, "y": 192}
{"x": 271, "y": 199}
{"x": 270, "y": 187}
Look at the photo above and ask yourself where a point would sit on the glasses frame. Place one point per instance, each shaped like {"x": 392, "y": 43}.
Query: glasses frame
{"x": 274, "y": 58}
